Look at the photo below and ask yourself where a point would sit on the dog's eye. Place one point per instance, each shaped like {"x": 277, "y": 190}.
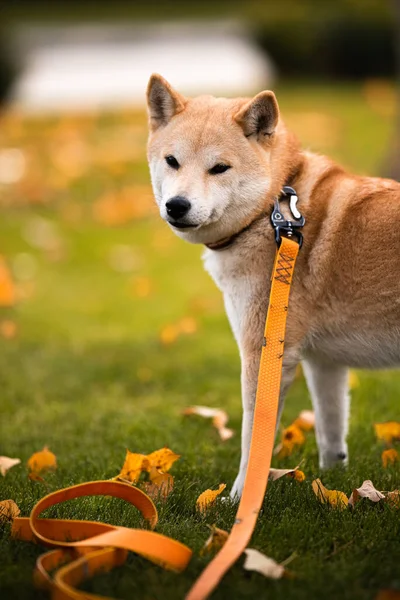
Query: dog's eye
{"x": 172, "y": 162}
{"x": 219, "y": 168}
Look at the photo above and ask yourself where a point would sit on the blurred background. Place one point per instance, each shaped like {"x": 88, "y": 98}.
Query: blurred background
{"x": 84, "y": 255}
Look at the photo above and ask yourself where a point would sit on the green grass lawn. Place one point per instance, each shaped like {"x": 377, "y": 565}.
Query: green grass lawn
{"x": 88, "y": 376}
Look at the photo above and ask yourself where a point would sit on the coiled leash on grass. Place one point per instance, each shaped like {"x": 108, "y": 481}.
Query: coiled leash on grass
{"x": 89, "y": 547}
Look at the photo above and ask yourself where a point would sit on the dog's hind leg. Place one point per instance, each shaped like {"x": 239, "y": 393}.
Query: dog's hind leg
{"x": 329, "y": 389}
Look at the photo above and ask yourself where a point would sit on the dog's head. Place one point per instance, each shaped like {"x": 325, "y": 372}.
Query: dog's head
{"x": 210, "y": 159}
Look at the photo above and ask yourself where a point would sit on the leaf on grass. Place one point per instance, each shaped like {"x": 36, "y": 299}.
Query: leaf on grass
{"x": 292, "y": 437}
{"x": 305, "y": 421}
{"x": 219, "y": 419}
{"x": 275, "y": 474}
{"x": 389, "y": 457}
{"x": 367, "y": 490}
{"x": 41, "y": 461}
{"x": 162, "y": 459}
{"x": 388, "y": 432}
{"x": 8, "y": 510}
{"x": 334, "y": 498}
{"x": 207, "y": 498}
{"x": 187, "y": 325}
{"x": 257, "y": 561}
{"x": 133, "y": 466}
{"x": 6, "y": 463}
{"x": 393, "y": 498}
{"x": 298, "y": 475}
{"x": 216, "y": 540}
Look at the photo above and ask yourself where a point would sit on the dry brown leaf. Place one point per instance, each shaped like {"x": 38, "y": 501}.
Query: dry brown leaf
{"x": 388, "y": 432}
{"x": 257, "y": 561}
{"x": 305, "y": 421}
{"x": 367, "y": 490}
{"x": 160, "y": 485}
{"x": 216, "y": 540}
{"x": 6, "y": 463}
{"x": 334, "y": 498}
{"x": 207, "y": 498}
{"x": 292, "y": 437}
{"x": 275, "y": 474}
{"x": 142, "y": 287}
{"x": 393, "y": 498}
{"x": 219, "y": 419}
{"x": 389, "y": 457}
{"x": 8, "y": 510}
{"x": 41, "y": 461}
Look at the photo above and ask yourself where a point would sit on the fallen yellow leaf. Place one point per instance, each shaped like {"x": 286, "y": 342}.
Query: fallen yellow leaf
{"x": 298, "y": 475}
{"x": 207, "y": 498}
{"x": 219, "y": 419}
{"x": 388, "y": 432}
{"x": 334, "y": 498}
{"x": 162, "y": 459}
{"x": 216, "y": 540}
{"x": 389, "y": 456}
{"x": 292, "y": 437}
{"x": 8, "y": 510}
{"x": 257, "y": 561}
{"x": 42, "y": 461}
{"x": 133, "y": 466}
{"x": 6, "y": 463}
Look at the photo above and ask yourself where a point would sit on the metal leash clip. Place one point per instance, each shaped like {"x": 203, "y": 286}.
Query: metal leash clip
{"x": 282, "y": 225}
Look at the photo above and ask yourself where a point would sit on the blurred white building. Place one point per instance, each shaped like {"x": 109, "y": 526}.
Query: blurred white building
{"x": 78, "y": 67}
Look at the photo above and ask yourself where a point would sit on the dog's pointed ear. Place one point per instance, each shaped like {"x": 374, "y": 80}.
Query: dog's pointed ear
{"x": 259, "y": 116}
{"x": 163, "y": 101}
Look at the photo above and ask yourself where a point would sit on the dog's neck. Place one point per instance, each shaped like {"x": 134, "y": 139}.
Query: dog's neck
{"x": 290, "y": 179}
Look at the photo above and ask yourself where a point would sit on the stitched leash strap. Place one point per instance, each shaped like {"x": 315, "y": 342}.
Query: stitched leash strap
{"x": 83, "y": 548}
{"x": 264, "y": 424}
{"x": 89, "y": 547}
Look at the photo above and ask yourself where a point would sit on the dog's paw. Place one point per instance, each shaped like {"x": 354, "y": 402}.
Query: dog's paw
{"x": 237, "y": 489}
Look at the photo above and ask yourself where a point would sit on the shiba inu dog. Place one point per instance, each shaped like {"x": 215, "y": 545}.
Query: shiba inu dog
{"x": 216, "y": 166}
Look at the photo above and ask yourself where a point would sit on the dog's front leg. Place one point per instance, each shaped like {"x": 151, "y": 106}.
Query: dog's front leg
{"x": 250, "y": 365}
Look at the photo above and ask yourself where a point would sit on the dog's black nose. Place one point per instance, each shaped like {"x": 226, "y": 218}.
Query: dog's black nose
{"x": 177, "y": 207}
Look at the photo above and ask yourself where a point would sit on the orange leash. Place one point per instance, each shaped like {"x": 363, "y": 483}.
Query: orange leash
{"x": 84, "y": 548}
{"x": 264, "y": 424}
{"x": 89, "y": 547}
